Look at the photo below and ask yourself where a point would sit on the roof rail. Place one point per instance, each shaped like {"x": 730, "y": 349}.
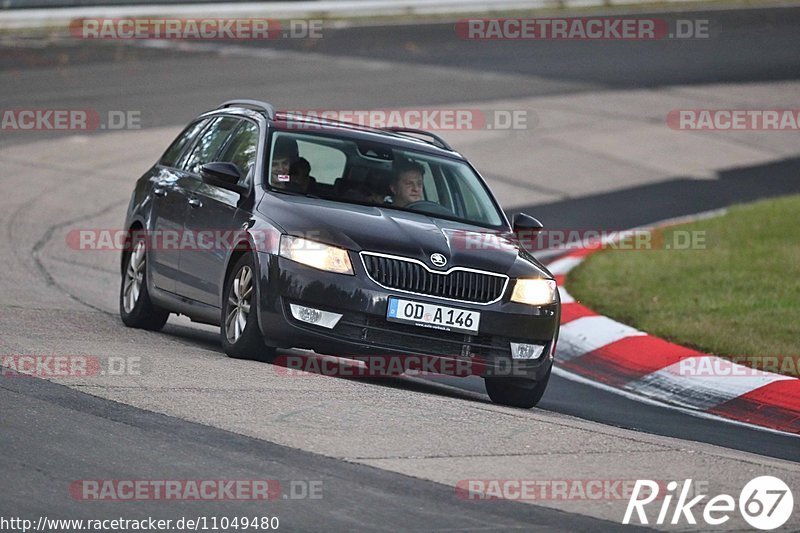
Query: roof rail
{"x": 267, "y": 108}
{"x": 436, "y": 140}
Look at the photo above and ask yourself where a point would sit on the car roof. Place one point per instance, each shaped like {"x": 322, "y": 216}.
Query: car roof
{"x": 404, "y": 138}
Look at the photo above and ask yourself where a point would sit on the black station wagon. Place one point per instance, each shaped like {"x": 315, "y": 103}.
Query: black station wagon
{"x": 291, "y": 231}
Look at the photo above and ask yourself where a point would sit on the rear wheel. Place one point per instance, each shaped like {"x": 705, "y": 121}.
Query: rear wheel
{"x": 516, "y": 392}
{"x": 241, "y": 337}
{"x": 135, "y": 307}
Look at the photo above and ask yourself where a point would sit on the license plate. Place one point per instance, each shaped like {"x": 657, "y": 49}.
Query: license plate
{"x": 433, "y": 316}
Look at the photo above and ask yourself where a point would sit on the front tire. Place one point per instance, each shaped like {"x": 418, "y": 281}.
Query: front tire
{"x": 516, "y": 392}
{"x": 136, "y": 308}
{"x": 241, "y": 337}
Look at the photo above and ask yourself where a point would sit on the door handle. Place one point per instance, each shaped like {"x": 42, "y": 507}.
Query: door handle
{"x": 195, "y": 202}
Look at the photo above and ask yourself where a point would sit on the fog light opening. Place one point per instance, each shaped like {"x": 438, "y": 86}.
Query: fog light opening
{"x": 317, "y": 317}
{"x": 526, "y": 351}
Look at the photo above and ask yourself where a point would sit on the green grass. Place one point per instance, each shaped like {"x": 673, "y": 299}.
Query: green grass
{"x": 739, "y": 295}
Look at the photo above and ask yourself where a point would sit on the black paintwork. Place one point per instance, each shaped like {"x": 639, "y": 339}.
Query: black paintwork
{"x": 191, "y": 281}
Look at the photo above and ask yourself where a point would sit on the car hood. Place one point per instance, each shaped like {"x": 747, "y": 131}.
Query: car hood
{"x": 400, "y": 233}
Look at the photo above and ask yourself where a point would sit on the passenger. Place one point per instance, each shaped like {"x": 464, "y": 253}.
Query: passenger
{"x": 407, "y": 186}
{"x": 280, "y": 170}
{"x": 371, "y": 190}
{"x": 284, "y": 154}
{"x": 300, "y": 179}
{"x": 373, "y": 196}
{"x": 374, "y": 187}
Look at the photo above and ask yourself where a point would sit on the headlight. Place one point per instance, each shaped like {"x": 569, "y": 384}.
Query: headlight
{"x": 534, "y": 291}
{"x": 315, "y": 254}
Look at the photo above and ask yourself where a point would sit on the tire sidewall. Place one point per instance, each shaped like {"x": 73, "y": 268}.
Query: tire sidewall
{"x": 144, "y": 314}
{"x": 250, "y": 344}
{"x": 516, "y": 393}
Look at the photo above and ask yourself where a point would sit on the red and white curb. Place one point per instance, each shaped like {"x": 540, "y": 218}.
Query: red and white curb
{"x": 620, "y": 357}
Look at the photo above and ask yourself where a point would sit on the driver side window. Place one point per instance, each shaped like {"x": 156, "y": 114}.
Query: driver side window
{"x": 242, "y": 148}
{"x": 431, "y": 193}
{"x": 208, "y": 144}
{"x": 174, "y": 151}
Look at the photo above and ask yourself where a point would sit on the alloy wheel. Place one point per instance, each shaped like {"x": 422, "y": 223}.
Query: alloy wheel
{"x": 134, "y": 275}
{"x": 239, "y": 304}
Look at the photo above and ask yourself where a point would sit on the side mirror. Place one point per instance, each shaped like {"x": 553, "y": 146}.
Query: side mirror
{"x": 224, "y": 176}
{"x": 526, "y": 223}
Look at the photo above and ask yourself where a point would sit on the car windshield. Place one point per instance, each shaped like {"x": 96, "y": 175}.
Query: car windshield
{"x": 376, "y": 173}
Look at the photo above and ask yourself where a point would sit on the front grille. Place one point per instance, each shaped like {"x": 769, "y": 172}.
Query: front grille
{"x": 410, "y": 276}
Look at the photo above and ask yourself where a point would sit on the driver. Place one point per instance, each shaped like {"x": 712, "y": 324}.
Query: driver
{"x": 407, "y": 186}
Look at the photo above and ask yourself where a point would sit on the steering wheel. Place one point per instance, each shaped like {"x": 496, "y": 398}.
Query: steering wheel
{"x": 426, "y": 206}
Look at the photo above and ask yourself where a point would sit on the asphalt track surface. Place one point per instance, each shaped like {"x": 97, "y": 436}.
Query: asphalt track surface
{"x": 41, "y": 449}
{"x": 169, "y": 88}
{"x": 355, "y": 497}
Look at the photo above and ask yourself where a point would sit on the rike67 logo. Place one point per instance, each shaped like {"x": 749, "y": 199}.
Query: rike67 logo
{"x": 765, "y": 503}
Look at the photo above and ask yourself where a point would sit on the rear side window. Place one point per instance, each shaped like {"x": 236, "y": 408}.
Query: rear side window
{"x": 174, "y": 151}
{"x": 209, "y": 144}
{"x": 327, "y": 163}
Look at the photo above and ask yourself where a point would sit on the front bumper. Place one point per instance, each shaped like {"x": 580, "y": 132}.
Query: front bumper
{"x": 364, "y": 331}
